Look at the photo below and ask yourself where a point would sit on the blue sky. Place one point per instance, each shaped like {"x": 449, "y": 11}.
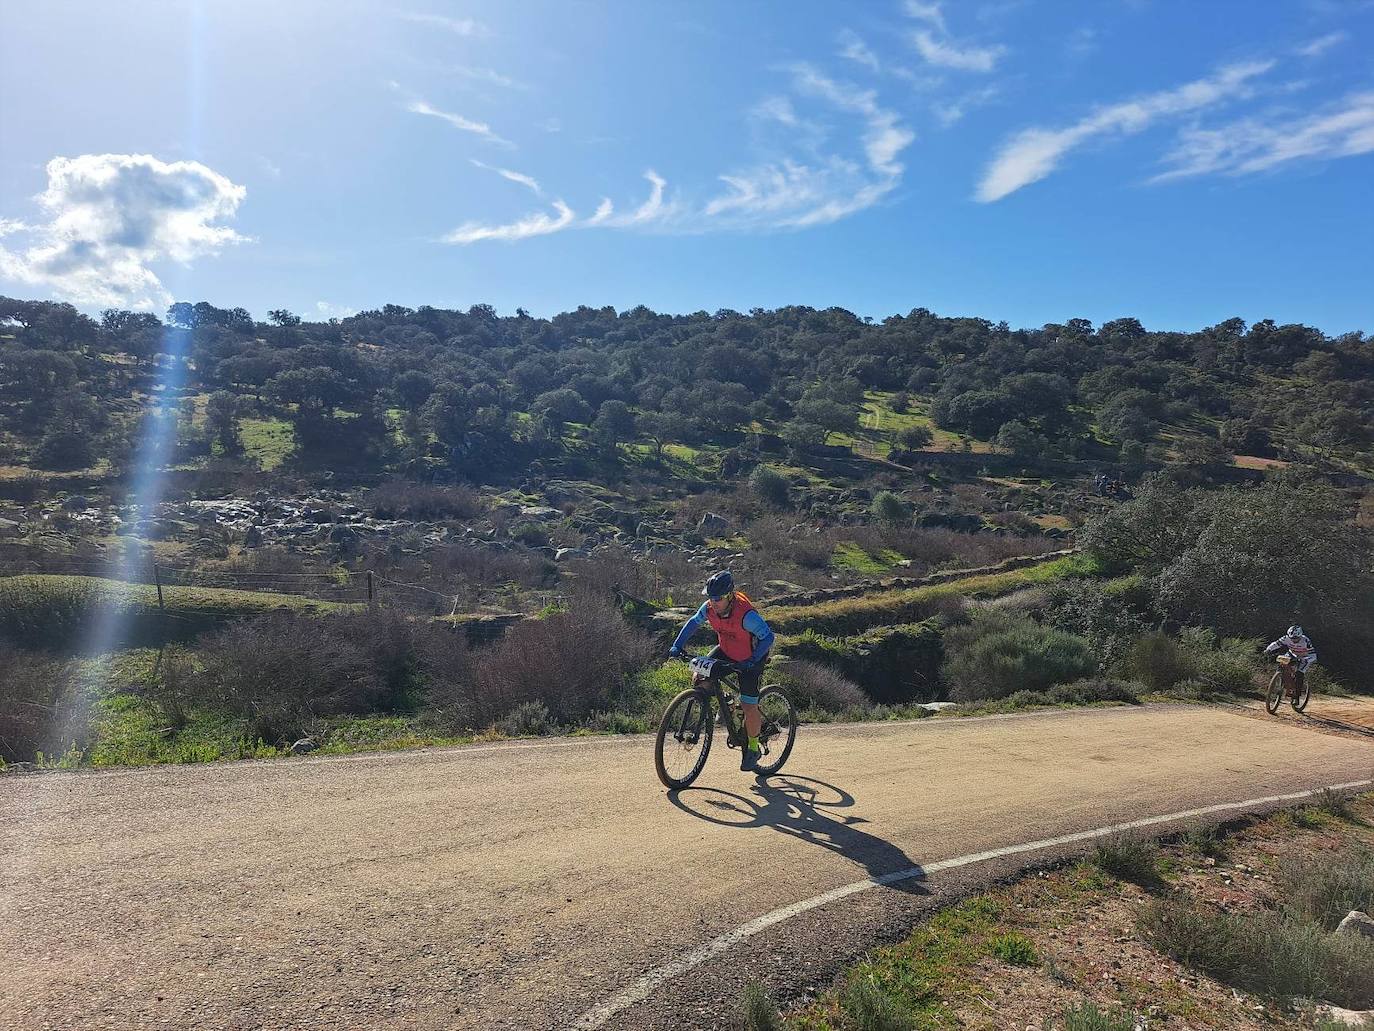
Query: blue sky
{"x": 1027, "y": 160}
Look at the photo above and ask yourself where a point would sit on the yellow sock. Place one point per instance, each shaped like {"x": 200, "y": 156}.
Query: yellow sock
{"x": 754, "y": 744}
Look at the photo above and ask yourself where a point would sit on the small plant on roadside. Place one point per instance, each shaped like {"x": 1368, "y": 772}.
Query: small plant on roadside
{"x": 871, "y": 1008}
{"x": 1333, "y": 803}
{"x": 1014, "y": 948}
{"x": 1202, "y": 840}
{"x": 757, "y": 1010}
{"x": 530, "y": 719}
{"x": 1087, "y": 1017}
{"x": 1129, "y": 857}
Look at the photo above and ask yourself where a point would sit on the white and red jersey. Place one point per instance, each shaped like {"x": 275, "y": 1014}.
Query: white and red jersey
{"x": 1300, "y": 646}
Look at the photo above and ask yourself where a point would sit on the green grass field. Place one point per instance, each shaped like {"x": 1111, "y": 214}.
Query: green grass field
{"x": 267, "y": 441}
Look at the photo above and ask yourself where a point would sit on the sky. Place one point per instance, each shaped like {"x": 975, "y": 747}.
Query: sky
{"x": 1177, "y": 161}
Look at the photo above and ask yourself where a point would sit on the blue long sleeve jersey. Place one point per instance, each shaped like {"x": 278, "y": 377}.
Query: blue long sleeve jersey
{"x": 752, "y": 622}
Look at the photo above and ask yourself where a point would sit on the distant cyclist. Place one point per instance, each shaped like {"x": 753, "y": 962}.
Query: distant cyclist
{"x": 744, "y": 644}
{"x": 1300, "y": 646}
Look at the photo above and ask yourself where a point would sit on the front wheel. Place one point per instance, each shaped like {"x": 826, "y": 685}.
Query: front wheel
{"x": 1302, "y": 697}
{"x": 779, "y": 731}
{"x": 684, "y": 739}
{"x": 1274, "y": 698}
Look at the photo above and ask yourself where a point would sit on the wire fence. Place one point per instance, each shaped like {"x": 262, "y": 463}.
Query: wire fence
{"x": 367, "y": 587}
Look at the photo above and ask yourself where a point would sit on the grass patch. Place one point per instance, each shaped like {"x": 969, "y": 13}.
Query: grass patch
{"x": 267, "y": 441}
{"x": 848, "y": 615}
{"x": 47, "y": 610}
{"x": 1014, "y": 948}
{"x": 1129, "y": 857}
{"x": 1087, "y": 1017}
{"x": 849, "y": 556}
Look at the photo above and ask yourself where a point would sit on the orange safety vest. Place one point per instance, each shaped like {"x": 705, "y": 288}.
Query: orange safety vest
{"x": 736, "y": 642}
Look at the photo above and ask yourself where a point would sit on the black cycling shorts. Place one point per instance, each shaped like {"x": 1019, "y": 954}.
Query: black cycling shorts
{"x": 748, "y": 678}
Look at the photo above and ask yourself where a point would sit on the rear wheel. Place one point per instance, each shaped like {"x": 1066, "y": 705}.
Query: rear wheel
{"x": 1303, "y": 696}
{"x": 684, "y": 739}
{"x": 1274, "y": 698}
{"x": 779, "y": 731}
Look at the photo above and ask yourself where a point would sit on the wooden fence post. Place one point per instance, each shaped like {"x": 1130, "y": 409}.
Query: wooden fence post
{"x": 371, "y": 598}
{"x": 157, "y": 579}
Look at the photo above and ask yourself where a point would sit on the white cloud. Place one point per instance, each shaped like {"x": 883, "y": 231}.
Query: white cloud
{"x": 947, "y": 54}
{"x": 486, "y": 75}
{"x": 1032, "y": 154}
{"x": 1244, "y": 147}
{"x": 926, "y": 11}
{"x": 1322, "y": 44}
{"x": 787, "y": 192}
{"x": 423, "y": 107}
{"x": 529, "y": 182}
{"x": 327, "y": 310}
{"x": 538, "y": 224}
{"x": 777, "y": 109}
{"x": 856, "y": 50}
{"x": 114, "y": 215}
{"x": 949, "y": 112}
{"x": 458, "y": 26}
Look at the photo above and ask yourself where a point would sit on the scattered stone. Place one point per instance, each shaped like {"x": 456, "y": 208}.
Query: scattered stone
{"x": 19, "y": 768}
{"x": 713, "y": 524}
{"x": 540, "y": 512}
{"x": 1350, "y": 1018}
{"x": 564, "y": 554}
{"x": 1357, "y": 923}
{"x": 77, "y": 503}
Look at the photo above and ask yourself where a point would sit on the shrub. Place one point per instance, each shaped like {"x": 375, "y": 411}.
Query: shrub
{"x": 771, "y": 486}
{"x": 870, "y": 1008}
{"x": 1159, "y": 662}
{"x": 1087, "y": 1017}
{"x": 1097, "y": 689}
{"x": 1324, "y": 890}
{"x": 41, "y": 704}
{"x": 914, "y": 438}
{"x": 1202, "y": 840}
{"x": 530, "y": 719}
{"x": 889, "y": 509}
{"x": 532, "y": 534}
{"x": 998, "y": 654}
{"x": 893, "y": 664}
{"x": 1129, "y": 858}
{"x": 812, "y": 685}
{"x": 757, "y": 1012}
{"x": 576, "y": 663}
{"x": 1263, "y": 952}
{"x": 1014, "y": 948}
{"x": 401, "y": 499}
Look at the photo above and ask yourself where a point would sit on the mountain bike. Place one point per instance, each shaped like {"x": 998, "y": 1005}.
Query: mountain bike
{"x": 688, "y": 726}
{"x": 1284, "y": 684}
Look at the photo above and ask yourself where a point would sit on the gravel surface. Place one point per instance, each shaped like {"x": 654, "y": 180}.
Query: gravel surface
{"x": 519, "y": 885}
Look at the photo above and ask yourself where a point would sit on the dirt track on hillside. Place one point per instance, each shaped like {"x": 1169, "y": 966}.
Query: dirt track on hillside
{"x": 520, "y": 885}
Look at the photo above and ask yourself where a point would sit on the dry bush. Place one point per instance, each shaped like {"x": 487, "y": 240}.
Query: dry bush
{"x": 270, "y": 559}
{"x": 40, "y": 704}
{"x": 576, "y": 662}
{"x": 449, "y": 665}
{"x": 972, "y": 498}
{"x": 402, "y": 499}
{"x": 812, "y": 685}
{"x": 653, "y": 579}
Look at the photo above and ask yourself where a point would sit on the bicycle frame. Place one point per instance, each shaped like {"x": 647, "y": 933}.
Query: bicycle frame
{"x": 715, "y": 688}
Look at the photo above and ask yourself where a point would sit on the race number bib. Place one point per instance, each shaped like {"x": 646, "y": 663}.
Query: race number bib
{"x": 702, "y": 666}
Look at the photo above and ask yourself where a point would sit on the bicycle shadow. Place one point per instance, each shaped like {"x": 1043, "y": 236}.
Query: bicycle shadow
{"x": 799, "y": 807}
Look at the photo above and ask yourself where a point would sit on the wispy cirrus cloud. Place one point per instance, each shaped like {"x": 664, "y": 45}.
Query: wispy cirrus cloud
{"x": 538, "y": 224}
{"x": 854, "y": 49}
{"x": 111, "y": 217}
{"x": 944, "y": 53}
{"x": 654, "y": 210}
{"x": 458, "y": 26}
{"x": 1320, "y": 45}
{"x": 486, "y": 76}
{"x": 928, "y": 11}
{"x": 418, "y": 106}
{"x": 527, "y": 181}
{"x": 839, "y": 152}
{"x": 1252, "y": 145}
{"x": 950, "y": 112}
{"x": 1033, "y": 154}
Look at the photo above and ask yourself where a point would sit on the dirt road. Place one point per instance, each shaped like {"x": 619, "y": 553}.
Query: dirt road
{"x": 529, "y": 885}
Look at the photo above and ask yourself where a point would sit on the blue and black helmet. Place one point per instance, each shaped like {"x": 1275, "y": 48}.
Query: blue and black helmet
{"x": 719, "y": 585}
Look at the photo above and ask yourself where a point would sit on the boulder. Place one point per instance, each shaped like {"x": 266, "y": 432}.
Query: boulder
{"x": 1357, "y": 923}
{"x": 540, "y": 512}
{"x": 253, "y": 538}
{"x": 304, "y": 746}
{"x": 564, "y": 554}
{"x": 9, "y": 528}
{"x": 76, "y": 503}
{"x": 713, "y": 525}
{"x": 1349, "y": 1018}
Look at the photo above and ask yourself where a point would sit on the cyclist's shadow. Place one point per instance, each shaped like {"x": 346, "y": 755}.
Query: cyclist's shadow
{"x": 800, "y": 807}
